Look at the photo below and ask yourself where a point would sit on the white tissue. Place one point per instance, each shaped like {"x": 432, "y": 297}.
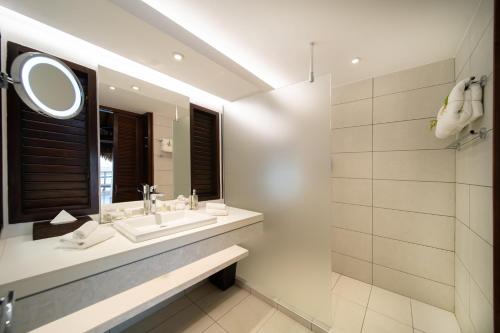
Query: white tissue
{"x": 63, "y": 217}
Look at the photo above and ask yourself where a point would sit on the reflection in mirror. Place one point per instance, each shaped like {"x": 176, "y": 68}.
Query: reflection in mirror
{"x": 140, "y": 140}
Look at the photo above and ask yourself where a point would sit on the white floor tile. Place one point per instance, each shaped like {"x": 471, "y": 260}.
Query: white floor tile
{"x": 377, "y": 323}
{"x": 218, "y": 304}
{"x": 189, "y": 320}
{"x": 347, "y": 316}
{"x": 433, "y": 320}
{"x": 248, "y": 316}
{"x": 202, "y": 291}
{"x": 353, "y": 290}
{"x": 279, "y": 323}
{"x": 391, "y": 304}
{"x": 215, "y": 328}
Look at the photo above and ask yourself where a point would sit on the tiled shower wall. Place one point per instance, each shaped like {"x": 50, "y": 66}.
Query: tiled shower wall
{"x": 393, "y": 184}
{"x": 163, "y": 163}
{"x": 474, "y": 216}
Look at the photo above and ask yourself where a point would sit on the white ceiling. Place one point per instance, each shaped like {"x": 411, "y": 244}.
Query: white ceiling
{"x": 234, "y": 47}
{"x": 270, "y": 38}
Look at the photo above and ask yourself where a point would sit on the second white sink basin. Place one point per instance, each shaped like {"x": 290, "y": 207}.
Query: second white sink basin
{"x": 142, "y": 228}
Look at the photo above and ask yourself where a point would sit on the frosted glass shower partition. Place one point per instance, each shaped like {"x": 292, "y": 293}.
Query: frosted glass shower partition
{"x": 276, "y": 161}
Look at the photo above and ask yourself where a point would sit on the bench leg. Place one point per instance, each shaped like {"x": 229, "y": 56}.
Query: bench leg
{"x": 224, "y": 278}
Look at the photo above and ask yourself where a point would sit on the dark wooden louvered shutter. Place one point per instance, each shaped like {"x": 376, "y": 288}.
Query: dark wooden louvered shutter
{"x": 205, "y": 158}
{"x": 132, "y": 156}
{"x": 52, "y": 163}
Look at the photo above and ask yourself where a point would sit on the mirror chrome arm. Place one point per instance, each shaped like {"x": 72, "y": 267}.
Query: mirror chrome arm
{"x": 5, "y": 80}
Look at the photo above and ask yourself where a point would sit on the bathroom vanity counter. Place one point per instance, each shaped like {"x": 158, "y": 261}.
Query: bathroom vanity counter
{"x": 29, "y": 267}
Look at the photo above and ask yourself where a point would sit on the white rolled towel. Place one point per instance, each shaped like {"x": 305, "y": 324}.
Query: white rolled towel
{"x": 450, "y": 115}
{"x": 98, "y": 236}
{"x": 215, "y": 205}
{"x": 217, "y": 212}
{"x": 85, "y": 230}
{"x": 463, "y": 108}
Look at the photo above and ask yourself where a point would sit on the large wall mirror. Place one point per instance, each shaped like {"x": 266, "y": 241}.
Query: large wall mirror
{"x": 121, "y": 133}
{"x": 144, "y": 138}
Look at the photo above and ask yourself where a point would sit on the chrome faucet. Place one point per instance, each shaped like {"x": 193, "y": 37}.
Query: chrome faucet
{"x": 149, "y": 196}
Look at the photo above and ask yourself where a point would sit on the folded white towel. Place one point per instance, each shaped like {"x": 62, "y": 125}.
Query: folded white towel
{"x": 463, "y": 107}
{"x": 215, "y": 205}
{"x": 98, "y": 236}
{"x": 63, "y": 217}
{"x": 217, "y": 212}
{"x": 85, "y": 230}
{"x": 133, "y": 211}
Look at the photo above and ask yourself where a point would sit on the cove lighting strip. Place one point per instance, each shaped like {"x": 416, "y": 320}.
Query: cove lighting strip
{"x": 20, "y": 28}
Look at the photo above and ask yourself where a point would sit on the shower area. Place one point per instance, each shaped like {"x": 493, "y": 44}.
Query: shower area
{"x": 372, "y": 224}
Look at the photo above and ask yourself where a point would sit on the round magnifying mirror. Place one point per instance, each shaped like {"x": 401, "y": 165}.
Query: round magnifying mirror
{"x": 47, "y": 85}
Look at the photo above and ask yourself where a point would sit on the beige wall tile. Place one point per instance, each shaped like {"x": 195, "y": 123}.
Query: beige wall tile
{"x": 465, "y": 72}
{"x": 462, "y": 315}
{"x": 163, "y": 177}
{"x": 352, "y": 267}
{"x": 480, "y": 22}
{"x": 421, "y": 289}
{"x": 481, "y": 265}
{"x": 462, "y": 202}
{"x": 423, "y": 261}
{"x": 163, "y": 120}
{"x": 354, "y": 191}
{"x": 462, "y": 243}
{"x": 354, "y": 165}
{"x": 353, "y": 139}
{"x": 352, "y": 217}
{"x": 414, "y": 104}
{"x": 352, "y": 92}
{"x": 462, "y": 284}
{"x": 475, "y": 162}
{"x": 160, "y": 132}
{"x": 424, "y": 197}
{"x": 482, "y": 58}
{"x": 163, "y": 163}
{"x": 431, "y": 230}
{"x": 407, "y": 135}
{"x": 419, "y": 77}
{"x": 352, "y": 114}
{"x": 481, "y": 311}
{"x": 481, "y": 212}
{"x": 352, "y": 243}
{"x": 463, "y": 54}
{"x": 427, "y": 165}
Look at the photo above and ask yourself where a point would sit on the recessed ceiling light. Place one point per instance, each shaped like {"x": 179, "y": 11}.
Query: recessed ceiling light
{"x": 135, "y": 87}
{"x": 355, "y": 60}
{"x": 178, "y": 56}
{"x": 112, "y": 87}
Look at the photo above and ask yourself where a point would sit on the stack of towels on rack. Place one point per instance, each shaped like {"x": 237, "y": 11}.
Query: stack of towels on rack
{"x": 216, "y": 209}
{"x": 89, "y": 234}
{"x": 462, "y": 107}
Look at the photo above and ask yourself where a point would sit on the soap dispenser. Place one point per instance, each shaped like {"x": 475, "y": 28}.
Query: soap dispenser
{"x": 193, "y": 200}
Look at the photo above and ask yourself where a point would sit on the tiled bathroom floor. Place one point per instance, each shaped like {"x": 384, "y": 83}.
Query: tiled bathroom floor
{"x": 357, "y": 307}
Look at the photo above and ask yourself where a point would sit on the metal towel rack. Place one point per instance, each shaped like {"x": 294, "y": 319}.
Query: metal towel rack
{"x": 472, "y": 135}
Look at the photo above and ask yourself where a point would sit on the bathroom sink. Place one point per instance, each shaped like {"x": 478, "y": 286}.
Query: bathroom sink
{"x": 142, "y": 228}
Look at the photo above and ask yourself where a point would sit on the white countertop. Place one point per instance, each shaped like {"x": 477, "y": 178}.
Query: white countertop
{"x": 28, "y": 266}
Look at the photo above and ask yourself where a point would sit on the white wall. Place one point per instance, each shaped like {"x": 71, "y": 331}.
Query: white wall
{"x": 474, "y": 205}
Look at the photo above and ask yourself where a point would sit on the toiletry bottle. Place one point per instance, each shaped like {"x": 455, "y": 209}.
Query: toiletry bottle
{"x": 193, "y": 200}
